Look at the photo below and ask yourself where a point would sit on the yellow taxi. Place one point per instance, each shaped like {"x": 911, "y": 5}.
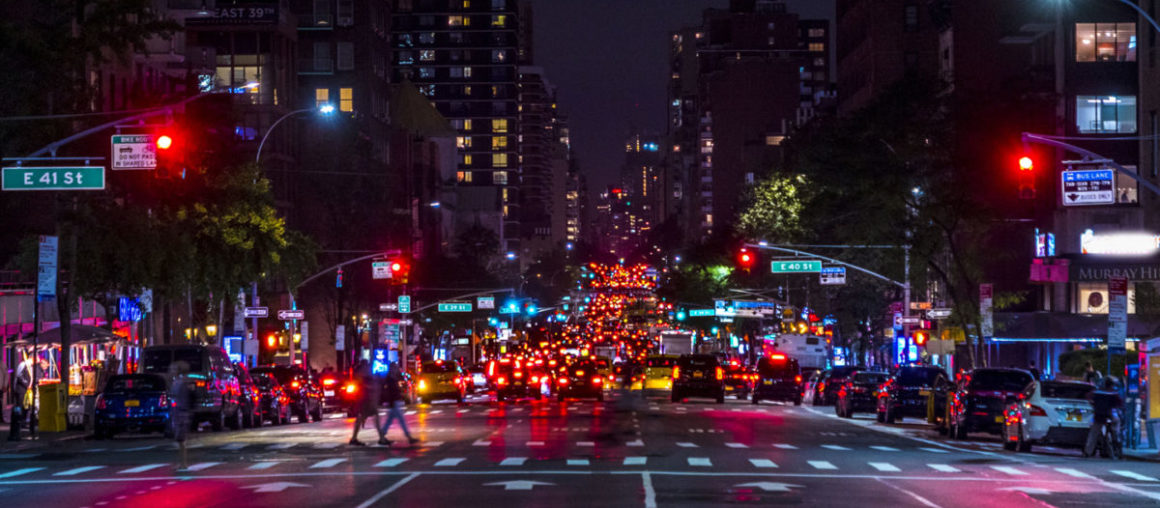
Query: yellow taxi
{"x": 604, "y": 369}
{"x": 658, "y": 372}
{"x": 440, "y": 380}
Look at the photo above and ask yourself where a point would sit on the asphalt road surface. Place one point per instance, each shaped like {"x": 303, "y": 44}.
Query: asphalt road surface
{"x": 629, "y": 451}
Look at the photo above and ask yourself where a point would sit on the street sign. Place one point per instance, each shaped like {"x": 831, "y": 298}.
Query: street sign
{"x": 832, "y": 275}
{"x": 920, "y": 306}
{"x": 485, "y": 302}
{"x": 796, "y": 266}
{"x": 404, "y": 304}
{"x": 900, "y": 320}
{"x": 287, "y": 315}
{"x": 455, "y": 307}
{"x": 385, "y": 307}
{"x": 1117, "y": 313}
{"x": 1088, "y": 187}
{"x": 940, "y": 313}
{"x": 134, "y": 151}
{"x": 256, "y": 312}
{"x": 380, "y": 270}
{"x": 46, "y": 268}
{"x": 986, "y": 301}
{"x": 701, "y": 312}
{"x": 53, "y": 178}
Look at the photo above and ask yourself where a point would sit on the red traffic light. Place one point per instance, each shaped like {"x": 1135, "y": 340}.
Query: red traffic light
{"x": 396, "y": 266}
{"x": 1026, "y": 164}
{"x": 920, "y": 337}
{"x": 745, "y": 259}
{"x": 164, "y": 142}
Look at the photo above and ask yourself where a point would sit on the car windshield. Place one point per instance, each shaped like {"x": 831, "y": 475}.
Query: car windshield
{"x": 909, "y": 376}
{"x": 158, "y": 360}
{"x": 438, "y": 367}
{"x": 661, "y": 362}
{"x": 1055, "y": 390}
{"x": 773, "y": 367}
{"x": 1004, "y": 380}
{"x": 124, "y": 384}
{"x": 869, "y": 378}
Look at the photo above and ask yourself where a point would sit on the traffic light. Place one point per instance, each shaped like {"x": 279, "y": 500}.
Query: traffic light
{"x": 1026, "y": 178}
{"x": 681, "y": 315}
{"x": 746, "y": 259}
{"x": 920, "y": 337}
{"x": 400, "y": 270}
{"x": 170, "y": 154}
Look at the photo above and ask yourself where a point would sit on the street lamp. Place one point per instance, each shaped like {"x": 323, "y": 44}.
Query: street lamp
{"x": 324, "y": 109}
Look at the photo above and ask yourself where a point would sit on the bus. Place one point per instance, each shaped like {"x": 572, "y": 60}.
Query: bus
{"x": 808, "y": 350}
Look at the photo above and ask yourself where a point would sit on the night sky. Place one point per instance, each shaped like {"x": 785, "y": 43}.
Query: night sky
{"x": 609, "y": 60}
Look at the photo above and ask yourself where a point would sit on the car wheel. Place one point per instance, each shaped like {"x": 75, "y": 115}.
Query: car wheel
{"x": 499, "y": 397}
{"x": 559, "y": 397}
{"x": 459, "y": 399}
{"x": 600, "y": 396}
{"x": 721, "y": 398}
{"x": 235, "y": 422}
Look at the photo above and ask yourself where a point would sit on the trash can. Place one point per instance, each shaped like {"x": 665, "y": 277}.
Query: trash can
{"x": 53, "y": 413}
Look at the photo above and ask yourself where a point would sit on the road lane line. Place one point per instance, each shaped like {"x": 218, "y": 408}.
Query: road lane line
{"x": 261, "y": 466}
{"x": 736, "y": 445}
{"x": 235, "y": 446}
{"x": 535, "y": 443}
{"x": 885, "y": 467}
{"x": 578, "y": 462}
{"x": 1074, "y": 472}
{"x": 431, "y": 444}
{"x": 784, "y": 446}
{"x": 821, "y": 464}
{"x": 385, "y": 492}
{"x": 635, "y": 443}
{"x": 392, "y": 462}
{"x": 835, "y": 447}
{"x": 281, "y": 446}
{"x": 141, "y": 469}
{"x": 944, "y": 468}
{"x": 700, "y": 462}
{"x": 513, "y": 461}
{"x": 762, "y": 463}
{"x": 323, "y": 464}
{"x": 79, "y": 470}
{"x": 450, "y": 462}
{"x": 933, "y": 450}
{"x": 926, "y": 502}
{"x": 202, "y": 466}
{"x": 650, "y": 494}
{"x": 884, "y": 448}
{"x": 19, "y": 472}
{"x": 1009, "y": 470}
{"x": 687, "y": 445}
{"x": 481, "y": 442}
{"x": 635, "y": 461}
{"x": 1134, "y": 476}
{"x": 587, "y": 444}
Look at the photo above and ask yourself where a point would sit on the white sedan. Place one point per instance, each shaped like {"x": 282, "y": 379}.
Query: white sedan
{"x": 1048, "y": 412}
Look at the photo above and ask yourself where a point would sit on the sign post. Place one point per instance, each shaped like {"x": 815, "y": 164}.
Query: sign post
{"x": 986, "y": 303}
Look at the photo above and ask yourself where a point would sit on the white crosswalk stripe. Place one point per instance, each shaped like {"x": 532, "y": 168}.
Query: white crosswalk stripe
{"x": 264, "y": 465}
{"x": 391, "y": 462}
{"x": 203, "y": 466}
{"x": 687, "y": 445}
{"x": 141, "y": 469}
{"x": 1075, "y": 473}
{"x": 513, "y": 461}
{"x": 1009, "y": 470}
{"x": 884, "y": 448}
{"x": 885, "y": 467}
{"x": 944, "y": 468}
{"x": 933, "y": 450}
{"x": 450, "y": 462}
{"x": 281, "y": 446}
{"x": 700, "y": 462}
{"x": 835, "y": 447}
{"x": 327, "y": 446}
{"x": 79, "y": 470}
{"x": 577, "y": 462}
{"x": 762, "y": 463}
{"x": 328, "y": 463}
{"x": 1134, "y": 476}
{"x": 821, "y": 464}
{"x": 431, "y": 444}
{"x": 736, "y": 445}
{"x": 635, "y": 461}
{"x": 636, "y": 443}
{"x": 784, "y": 446}
{"x": 19, "y": 472}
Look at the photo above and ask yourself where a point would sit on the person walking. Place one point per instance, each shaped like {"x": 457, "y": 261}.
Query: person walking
{"x": 367, "y": 403}
{"x": 180, "y": 409}
{"x": 1091, "y": 375}
{"x": 395, "y": 405}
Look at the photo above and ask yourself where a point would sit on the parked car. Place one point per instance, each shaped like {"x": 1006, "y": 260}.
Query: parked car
{"x": 273, "y": 402}
{"x": 440, "y": 380}
{"x": 1049, "y": 412}
{"x": 249, "y": 398}
{"x": 215, "y": 382}
{"x": 978, "y": 401}
{"x": 835, "y": 378}
{"x": 778, "y": 378}
{"x": 698, "y": 376}
{"x": 907, "y": 391}
{"x": 132, "y": 402}
{"x": 658, "y": 372}
{"x": 304, "y": 393}
{"x": 580, "y": 379}
{"x": 738, "y": 379}
{"x": 859, "y": 393}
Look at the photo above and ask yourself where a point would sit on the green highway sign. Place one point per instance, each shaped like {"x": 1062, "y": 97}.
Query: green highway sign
{"x": 794, "y": 266}
{"x": 701, "y": 312}
{"x": 19, "y": 178}
{"x": 455, "y": 307}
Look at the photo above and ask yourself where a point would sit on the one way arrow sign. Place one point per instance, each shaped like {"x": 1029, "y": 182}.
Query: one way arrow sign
{"x": 274, "y": 486}
{"x": 769, "y": 486}
{"x": 517, "y": 484}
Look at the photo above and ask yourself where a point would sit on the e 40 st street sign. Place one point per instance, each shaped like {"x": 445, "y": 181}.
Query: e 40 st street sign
{"x": 455, "y": 307}
{"x": 21, "y": 178}
{"x": 796, "y": 266}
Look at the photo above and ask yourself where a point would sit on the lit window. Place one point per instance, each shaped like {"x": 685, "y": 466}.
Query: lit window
{"x": 1098, "y": 114}
{"x": 467, "y": 90}
{"x": 499, "y": 20}
{"x": 467, "y": 159}
{"x": 467, "y": 124}
{"x": 461, "y": 142}
{"x": 817, "y": 32}
{"x": 1105, "y": 42}
{"x": 467, "y": 72}
{"x": 500, "y": 178}
{"x": 499, "y": 125}
{"x": 499, "y": 142}
{"x": 458, "y": 21}
{"x": 817, "y": 46}
{"x": 495, "y": 91}
{"x": 498, "y": 55}
{"x": 466, "y": 4}
{"x": 427, "y": 55}
{"x": 346, "y": 100}
{"x": 499, "y": 160}
{"x": 426, "y": 38}
{"x": 463, "y": 176}
{"x": 321, "y": 97}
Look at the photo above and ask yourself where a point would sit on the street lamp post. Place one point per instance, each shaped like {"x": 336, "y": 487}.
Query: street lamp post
{"x": 324, "y": 109}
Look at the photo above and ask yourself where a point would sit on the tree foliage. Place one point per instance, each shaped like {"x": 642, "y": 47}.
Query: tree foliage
{"x": 774, "y": 208}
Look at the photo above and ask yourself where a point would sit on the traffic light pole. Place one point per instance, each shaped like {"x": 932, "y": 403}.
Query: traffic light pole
{"x": 1029, "y": 137}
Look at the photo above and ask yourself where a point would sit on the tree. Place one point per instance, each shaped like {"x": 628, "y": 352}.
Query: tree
{"x": 774, "y": 207}
{"x": 476, "y": 245}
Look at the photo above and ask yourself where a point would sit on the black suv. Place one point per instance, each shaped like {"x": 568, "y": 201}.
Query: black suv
{"x": 977, "y": 401}
{"x": 698, "y": 376}
{"x": 778, "y": 378}
{"x": 907, "y": 391}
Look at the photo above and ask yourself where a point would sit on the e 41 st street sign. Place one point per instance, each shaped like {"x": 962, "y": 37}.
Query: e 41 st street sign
{"x": 796, "y": 266}
{"x": 455, "y": 307}
{"x": 21, "y": 178}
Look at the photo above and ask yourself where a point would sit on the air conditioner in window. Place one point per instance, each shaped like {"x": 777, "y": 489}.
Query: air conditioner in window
{"x": 345, "y": 20}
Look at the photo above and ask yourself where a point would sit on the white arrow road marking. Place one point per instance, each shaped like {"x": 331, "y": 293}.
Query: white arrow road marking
{"x": 79, "y": 470}
{"x": 513, "y": 461}
{"x": 517, "y": 484}
{"x": 784, "y": 446}
{"x": 578, "y": 462}
{"x": 944, "y": 468}
{"x": 835, "y": 447}
{"x": 687, "y": 445}
{"x": 19, "y": 472}
{"x": 1134, "y": 476}
{"x": 769, "y": 486}
{"x": 274, "y": 486}
{"x": 1076, "y": 473}
{"x": 264, "y": 465}
{"x": 203, "y": 465}
{"x": 1009, "y": 470}
{"x": 762, "y": 463}
{"x": 700, "y": 462}
{"x": 736, "y": 445}
{"x": 391, "y": 462}
{"x": 635, "y": 461}
{"x": 451, "y": 462}
{"x": 323, "y": 464}
{"x": 821, "y": 464}
{"x": 1037, "y": 491}
{"x": 884, "y": 448}
{"x": 141, "y": 469}
{"x": 885, "y": 467}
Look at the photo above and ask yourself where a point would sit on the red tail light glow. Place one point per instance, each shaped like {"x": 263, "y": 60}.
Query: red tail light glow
{"x": 720, "y": 373}
{"x": 1038, "y": 411}
{"x": 501, "y": 381}
{"x": 563, "y": 381}
{"x": 777, "y": 356}
{"x": 163, "y": 401}
{"x": 295, "y": 384}
{"x": 797, "y": 379}
{"x": 351, "y": 388}
{"x": 328, "y": 381}
{"x": 596, "y": 380}
{"x": 676, "y": 372}
{"x": 535, "y": 379}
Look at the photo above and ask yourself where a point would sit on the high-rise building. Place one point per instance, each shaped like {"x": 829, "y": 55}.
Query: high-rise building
{"x": 642, "y": 178}
{"x": 879, "y": 43}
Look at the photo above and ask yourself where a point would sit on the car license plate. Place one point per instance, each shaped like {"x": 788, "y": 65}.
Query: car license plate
{"x": 132, "y": 403}
{"x": 698, "y": 375}
{"x": 328, "y": 393}
{"x": 1074, "y": 416}
{"x": 768, "y": 381}
{"x": 999, "y": 419}
{"x": 924, "y": 393}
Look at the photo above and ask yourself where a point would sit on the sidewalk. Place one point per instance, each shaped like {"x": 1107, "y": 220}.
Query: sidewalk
{"x": 1143, "y": 452}
{"x": 41, "y": 437}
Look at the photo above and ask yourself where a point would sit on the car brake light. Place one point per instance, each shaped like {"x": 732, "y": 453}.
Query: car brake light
{"x": 596, "y": 380}
{"x": 535, "y": 379}
{"x": 676, "y": 372}
{"x": 821, "y": 386}
{"x": 199, "y": 384}
{"x": 1038, "y": 411}
{"x": 351, "y": 388}
{"x": 720, "y": 373}
{"x": 101, "y": 404}
{"x": 501, "y": 381}
{"x": 491, "y": 369}
{"x": 518, "y": 374}
{"x": 797, "y": 379}
{"x": 328, "y": 382}
{"x": 563, "y": 381}
{"x": 163, "y": 401}
{"x": 579, "y": 373}
{"x": 295, "y": 384}
{"x": 777, "y": 356}
{"x": 422, "y": 384}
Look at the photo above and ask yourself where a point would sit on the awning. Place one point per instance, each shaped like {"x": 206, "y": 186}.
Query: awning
{"x": 81, "y": 334}
{"x": 1066, "y": 327}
